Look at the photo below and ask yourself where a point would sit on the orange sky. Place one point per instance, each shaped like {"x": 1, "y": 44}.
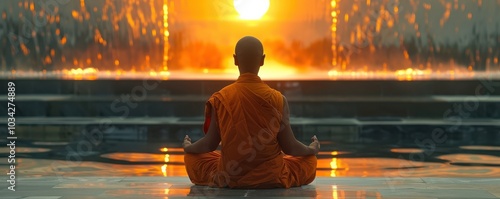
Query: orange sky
{"x": 218, "y": 20}
{"x": 279, "y": 9}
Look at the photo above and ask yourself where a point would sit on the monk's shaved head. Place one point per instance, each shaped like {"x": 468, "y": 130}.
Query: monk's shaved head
{"x": 249, "y": 54}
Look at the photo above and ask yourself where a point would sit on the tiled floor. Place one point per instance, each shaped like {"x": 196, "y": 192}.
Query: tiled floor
{"x": 174, "y": 187}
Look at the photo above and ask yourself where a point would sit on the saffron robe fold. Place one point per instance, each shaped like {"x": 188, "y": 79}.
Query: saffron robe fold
{"x": 249, "y": 115}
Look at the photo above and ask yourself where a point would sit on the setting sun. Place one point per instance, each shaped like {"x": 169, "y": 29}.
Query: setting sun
{"x": 251, "y": 9}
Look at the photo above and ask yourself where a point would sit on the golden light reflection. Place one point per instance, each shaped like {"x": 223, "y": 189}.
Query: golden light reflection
{"x": 272, "y": 69}
{"x": 165, "y": 166}
{"x": 93, "y": 73}
{"x": 406, "y": 150}
{"x": 470, "y": 158}
{"x": 406, "y": 74}
{"x": 368, "y": 167}
{"x": 335, "y": 194}
{"x": 79, "y": 73}
{"x": 333, "y": 164}
{"x": 477, "y": 147}
{"x": 164, "y": 170}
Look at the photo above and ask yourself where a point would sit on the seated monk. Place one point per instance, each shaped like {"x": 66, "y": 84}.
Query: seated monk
{"x": 251, "y": 122}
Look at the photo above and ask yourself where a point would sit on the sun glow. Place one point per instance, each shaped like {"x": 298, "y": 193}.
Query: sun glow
{"x": 251, "y": 9}
{"x": 272, "y": 69}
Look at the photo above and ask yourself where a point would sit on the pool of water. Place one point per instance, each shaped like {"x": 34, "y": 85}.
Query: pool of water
{"x": 78, "y": 158}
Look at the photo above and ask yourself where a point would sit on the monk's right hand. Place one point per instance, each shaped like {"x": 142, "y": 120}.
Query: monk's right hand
{"x": 187, "y": 141}
{"x": 315, "y": 145}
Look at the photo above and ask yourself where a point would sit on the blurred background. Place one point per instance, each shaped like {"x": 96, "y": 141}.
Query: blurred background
{"x": 320, "y": 39}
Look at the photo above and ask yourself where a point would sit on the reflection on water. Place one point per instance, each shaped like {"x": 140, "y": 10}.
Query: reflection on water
{"x": 135, "y": 157}
{"x": 472, "y": 159}
{"x": 333, "y": 164}
{"x": 406, "y": 150}
{"x": 488, "y": 148}
{"x": 169, "y": 162}
{"x": 335, "y": 193}
{"x": 144, "y": 164}
{"x": 343, "y": 192}
{"x": 147, "y": 193}
{"x": 171, "y": 166}
{"x": 24, "y": 150}
{"x": 270, "y": 72}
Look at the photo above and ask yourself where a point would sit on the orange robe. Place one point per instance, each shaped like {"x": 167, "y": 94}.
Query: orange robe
{"x": 249, "y": 115}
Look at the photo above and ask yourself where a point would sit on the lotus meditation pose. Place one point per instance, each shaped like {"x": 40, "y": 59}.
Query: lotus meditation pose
{"x": 250, "y": 121}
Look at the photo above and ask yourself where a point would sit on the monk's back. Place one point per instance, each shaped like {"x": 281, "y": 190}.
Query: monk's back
{"x": 249, "y": 114}
{"x": 251, "y": 122}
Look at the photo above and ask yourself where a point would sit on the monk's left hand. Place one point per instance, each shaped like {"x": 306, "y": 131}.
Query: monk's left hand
{"x": 315, "y": 146}
{"x": 187, "y": 141}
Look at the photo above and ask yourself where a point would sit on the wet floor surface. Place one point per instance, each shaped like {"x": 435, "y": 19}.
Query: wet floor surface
{"x": 171, "y": 163}
{"x": 130, "y": 169}
{"x": 322, "y": 187}
{"x": 77, "y": 158}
